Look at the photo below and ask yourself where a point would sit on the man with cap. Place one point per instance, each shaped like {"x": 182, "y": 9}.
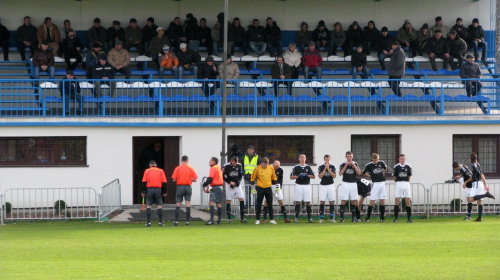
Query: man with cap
{"x": 133, "y": 36}
{"x": 104, "y": 72}
{"x": 396, "y": 66}
{"x": 458, "y": 48}
{"x": 26, "y": 38}
{"x": 70, "y": 90}
{"x": 460, "y": 29}
{"x": 156, "y": 44}
{"x": 115, "y": 33}
{"x": 91, "y": 58}
{"x": 437, "y": 47}
{"x": 119, "y": 58}
{"x": 471, "y": 72}
{"x": 476, "y": 38}
{"x": 97, "y": 34}
{"x": 188, "y": 61}
{"x": 440, "y": 26}
{"x": 148, "y": 33}
{"x": 249, "y": 162}
{"x": 422, "y": 36}
{"x": 383, "y": 46}
{"x": 354, "y": 37}
{"x": 169, "y": 62}
{"x": 43, "y": 60}
{"x": 407, "y": 37}
{"x": 358, "y": 63}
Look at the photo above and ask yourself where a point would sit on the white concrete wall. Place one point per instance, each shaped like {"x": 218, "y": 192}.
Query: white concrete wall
{"x": 287, "y": 13}
{"x": 109, "y": 151}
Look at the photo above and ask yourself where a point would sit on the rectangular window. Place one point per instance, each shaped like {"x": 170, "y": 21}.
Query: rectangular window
{"x": 43, "y": 151}
{"x": 286, "y": 149}
{"x": 387, "y": 146}
{"x": 485, "y": 146}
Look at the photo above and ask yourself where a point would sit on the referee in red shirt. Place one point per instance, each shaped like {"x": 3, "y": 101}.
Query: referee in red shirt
{"x": 154, "y": 186}
{"x": 184, "y": 175}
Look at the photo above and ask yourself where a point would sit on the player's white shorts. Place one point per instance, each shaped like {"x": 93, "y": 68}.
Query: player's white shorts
{"x": 467, "y": 190}
{"x": 477, "y": 189}
{"x": 326, "y": 192}
{"x": 349, "y": 191}
{"x": 235, "y": 192}
{"x": 378, "y": 191}
{"x": 277, "y": 193}
{"x": 302, "y": 193}
{"x": 402, "y": 190}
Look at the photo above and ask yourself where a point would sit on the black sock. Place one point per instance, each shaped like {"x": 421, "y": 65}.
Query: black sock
{"x": 264, "y": 214}
{"x": 177, "y": 212}
{"x": 480, "y": 211}
{"x": 228, "y": 211}
{"x": 219, "y": 213}
{"x": 396, "y": 211}
{"x": 469, "y": 209}
{"x": 148, "y": 214}
{"x": 369, "y": 213}
{"x": 342, "y": 209}
{"x": 283, "y": 210}
{"x": 242, "y": 209}
{"x": 160, "y": 215}
{"x": 479, "y": 196}
{"x": 382, "y": 211}
{"x": 321, "y": 211}
{"x": 354, "y": 209}
{"x": 332, "y": 211}
{"x": 297, "y": 211}
{"x": 358, "y": 212}
{"x": 408, "y": 211}
{"x": 212, "y": 213}
{"x": 309, "y": 211}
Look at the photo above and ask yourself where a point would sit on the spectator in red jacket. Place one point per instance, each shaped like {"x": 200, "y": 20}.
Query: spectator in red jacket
{"x": 312, "y": 61}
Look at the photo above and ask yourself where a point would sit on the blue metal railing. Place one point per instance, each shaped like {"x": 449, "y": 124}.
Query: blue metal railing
{"x": 250, "y": 98}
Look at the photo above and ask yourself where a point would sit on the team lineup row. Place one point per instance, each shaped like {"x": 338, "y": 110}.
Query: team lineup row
{"x": 266, "y": 182}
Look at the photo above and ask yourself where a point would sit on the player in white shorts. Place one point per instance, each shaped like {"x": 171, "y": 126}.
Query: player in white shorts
{"x": 402, "y": 174}
{"x": 375, "y": 170}
{"x": 465, "y": 174}
{"x": 326, "y": 173}
{"x": 479, "y": 185}
{"x": 233, "y": 173}
{"x": 277, "y": 193}
{"x": 302, "y": 174}
{"x": 349, "y": 170}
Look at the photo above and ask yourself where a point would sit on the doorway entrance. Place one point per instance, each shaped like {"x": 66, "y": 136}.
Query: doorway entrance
{"x": 165, "y": 151}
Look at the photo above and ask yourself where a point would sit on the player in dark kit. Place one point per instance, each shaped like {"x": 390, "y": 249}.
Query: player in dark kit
{"x": 375, "y": 170}
{"x": 326, "y": 173}
{"x": 465, "y": 174}
{"x": 402, "y": 174}
{"x": 233, "y": 173}
{"x": 277, "y": 193}
{"x": 302, "y": 174}
{"x": 478, "y": 186}
{"x": 364, "y": 190}
{"x": 349, "y": 170}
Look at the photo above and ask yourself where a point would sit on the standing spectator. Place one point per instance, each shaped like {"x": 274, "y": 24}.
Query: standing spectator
{"x": 439, "y": 26}
{"x": 437, "y": 46}
{"x": 460, "y": 29}
{"x": 476, "y": 39}
{"x": 105, "y": 72}
{"x": 133, "y": 36}
{"x": 233, "y": 72}
{"x": 383, "y": 45}
{"x": 92, "y": 58}
{"x": 4, "y": 41}
{"x": 188, "y": 60}
{"x": 337, "y": 39}
{"x": 154, "y": 186}
{"x": 115, "y": 33}
{"x": 321, "y": 35}
{"x": 281, "y": 73}
{"x": 97, "y": 34}
{"x": 205, "y": 35}
{"x": 233, "y": 173}
{"x": 302, "y": 174}
{"x": 183, "y": 176}
{"x": 458, "y": 48}
{"x": 70, "y": 48}
{"x": 250, "y": 161}
{"x": 401, "y": 175}
{"x": 215, "y": 180}
{"x": 175, "y": 33}
{"x": 396, "y": 66}
{"x": 48, "y": 32}
{"x": 216, "y": 42}
{"x": 70, "y": 90}
{"x": 156, "y": 46}
{"x": 43, "y": 60}
{"x": 349, "y": 190}
{"x": 312, "y": 61}
{"x": 272, "y": 35}
{"x": 169, "y": 62}
{"x": 209, "y": 72}
{"x": 191, "y": 30}
{"x": 371, "y": 34}
{"x": 358, "y": 63}
{"x": 256, "y": 38}
{"x": 292, "y": 57}
{"x": 407, "y": 37}
{"x": 26, "y": 38}
{"x": 422, "y": 37}
{"x": 354, "y": 36}
{"x": 264, "y": 177}
{"x": 119, "y": 58}
{"x": 237, "y": 37}
{"x": 148, "y": 33}
{"x": 66, "y": 28}
{"x": 303, "y": 37}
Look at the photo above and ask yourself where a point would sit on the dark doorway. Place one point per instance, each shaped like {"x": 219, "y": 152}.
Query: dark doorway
{"x": 165, "y": 151}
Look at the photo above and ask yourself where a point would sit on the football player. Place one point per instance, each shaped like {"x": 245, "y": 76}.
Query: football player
{"x": 478, "y": 186}
{"x": 464, "y": 175}
{"x": 326, "y": 173}
{"x": 349, "y": 170}
{"x": 233, "y": 173}
{"x": 277, "y": 193}
{"x": 302, "y": 174}
{"x": 402, "y": 173}
{"x": 375, "y": 170}
{"x": 364, "y": 189}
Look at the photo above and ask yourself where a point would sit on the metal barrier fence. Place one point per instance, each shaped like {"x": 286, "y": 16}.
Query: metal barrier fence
{"x": 2, "y": 210}
{"x": 251, "y": 98}
{"x": 109, "y": 198}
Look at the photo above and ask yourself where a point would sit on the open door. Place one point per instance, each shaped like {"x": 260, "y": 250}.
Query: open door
{"x": 165, "y": 151}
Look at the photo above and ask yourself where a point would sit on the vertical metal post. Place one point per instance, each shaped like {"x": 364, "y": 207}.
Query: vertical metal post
{"x": 497, "y": 32}
{"x": 224, "y": 104}
{"x": 428, "y": 193}
{"x": 3, "y": 209}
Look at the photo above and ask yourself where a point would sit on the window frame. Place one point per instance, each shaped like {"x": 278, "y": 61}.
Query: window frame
{"x": 475, "y": 148}
{"x": 374, "y": 149}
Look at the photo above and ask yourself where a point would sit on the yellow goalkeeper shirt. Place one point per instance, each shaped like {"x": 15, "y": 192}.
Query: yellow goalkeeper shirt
{"x": 264, "y": 176}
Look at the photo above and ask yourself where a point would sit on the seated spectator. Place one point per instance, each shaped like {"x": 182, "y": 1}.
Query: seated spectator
{"x": 437, "y": 47}
{"x": 104, "y": 72}
{"x": 233, "y": 73}
{"x": 280, "y": 72}
{"x": 272, "y": 36}
{"x": 91, "y": 58}
{"x": 48, "y": 32}
{"x": 175, "y": 33}
{"x": 440, "y": 26}
{"x": 354, "y": 37}
{"x": 156, "y": 46}
{"x": 115, "y": 33}
{"x": 133, "y": 36}
{"x": 97, "y": 34}
{"x": 27, "y": 38}
{"x": 169, "y": 62}
{"x": 407, "y": 37}
{"x": 256, "y": 38}
{"x": 371, "y": 34}
{"x": 70, "y": 48}
{"x": 321, "y": 36}
{"x": 43, "y": 60}
{"x": 383, "y": 45}
{"x": 66, "y": 28}
{"x": 396, "y": 67}
{"x": 4, "y": 41}
{"x": 209, "y": 73}
{"x": 188, "y": 61}
{"x": 358, "y": 62}
{"x": 458, "y": 48}
{"x": 337, "y": 39}
{"x": 460, "y": 29}
{"x": 312, "y": 61}
{"x": 148, "y": 33}
{"x": 216, "y": 43}
{"x": 303, "y": 36}
{"x": 191, "y": 31}
{"x": 422, "y": 37}
{"x": 205, "y": 35}
{"x": 292, "y": 57}
{"x": 237, "y": 38}
{"x": 471, "y": 72}
{"x": 119, "y": 58}
{"x": 476, "y": 39}
{"x": 70, "y": 90}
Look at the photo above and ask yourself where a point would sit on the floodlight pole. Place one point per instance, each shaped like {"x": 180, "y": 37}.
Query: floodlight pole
{"x": 223, "y": 91}
{"x": 497, "y": 39}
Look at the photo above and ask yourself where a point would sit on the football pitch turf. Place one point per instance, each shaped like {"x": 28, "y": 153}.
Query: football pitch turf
{"x": 439, "y": 248}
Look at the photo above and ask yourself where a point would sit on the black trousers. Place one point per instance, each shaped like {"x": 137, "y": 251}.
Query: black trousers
{"x": 22, "y": 48}
{"x": 394, "y": 82}
{"x": 261, "y": 194}
{"x": 288, "y": 85}
{"x": 472, "y": 87}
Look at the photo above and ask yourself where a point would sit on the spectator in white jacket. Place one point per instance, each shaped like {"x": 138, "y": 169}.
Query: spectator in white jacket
{"x": 292, "y": 58}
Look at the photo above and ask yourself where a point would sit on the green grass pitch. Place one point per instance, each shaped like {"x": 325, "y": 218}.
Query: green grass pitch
{"x": 439, "y": 248}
